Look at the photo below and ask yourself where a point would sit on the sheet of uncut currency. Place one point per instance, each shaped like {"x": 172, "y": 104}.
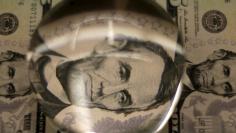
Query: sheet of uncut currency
{"x": 208, "y": 102}
{"x": 206, "y": 28}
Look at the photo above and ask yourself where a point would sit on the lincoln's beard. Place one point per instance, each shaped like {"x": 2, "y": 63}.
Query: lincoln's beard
{"x": 199, "y": 75}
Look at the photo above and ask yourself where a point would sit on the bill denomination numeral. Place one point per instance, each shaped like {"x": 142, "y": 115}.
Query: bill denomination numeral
{"x": 27, "y": 122}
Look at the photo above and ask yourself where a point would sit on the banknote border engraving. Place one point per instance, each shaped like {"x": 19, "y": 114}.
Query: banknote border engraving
{"x": 214, "y": 16}
{"x": 8, "y": 23}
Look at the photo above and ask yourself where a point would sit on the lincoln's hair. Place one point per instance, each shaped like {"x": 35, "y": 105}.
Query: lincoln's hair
{"x": 228, "y": 55}
{"x": 9, "y": 56}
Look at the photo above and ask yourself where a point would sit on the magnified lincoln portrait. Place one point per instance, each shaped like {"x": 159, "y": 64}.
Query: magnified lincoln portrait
{"x": 135, "y": 75}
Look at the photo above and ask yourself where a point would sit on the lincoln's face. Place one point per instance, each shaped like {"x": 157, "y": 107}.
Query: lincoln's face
{"x": 117, "y": 80}
{"x": 216, "y": 76}
{"x": 14, "y": 78}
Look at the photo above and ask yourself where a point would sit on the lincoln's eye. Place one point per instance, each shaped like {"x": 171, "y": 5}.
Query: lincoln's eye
{"x": 10, "y": 89}
{"x": 228, "y": 88}
{"x": 124, "y": 98}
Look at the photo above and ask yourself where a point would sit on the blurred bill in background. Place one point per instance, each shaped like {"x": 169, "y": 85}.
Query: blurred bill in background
{"x": 19, "y": 111}
{"x": 207, "y": 30}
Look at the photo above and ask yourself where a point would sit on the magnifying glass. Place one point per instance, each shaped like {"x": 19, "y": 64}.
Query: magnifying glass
{"x": 107, "y": 66}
